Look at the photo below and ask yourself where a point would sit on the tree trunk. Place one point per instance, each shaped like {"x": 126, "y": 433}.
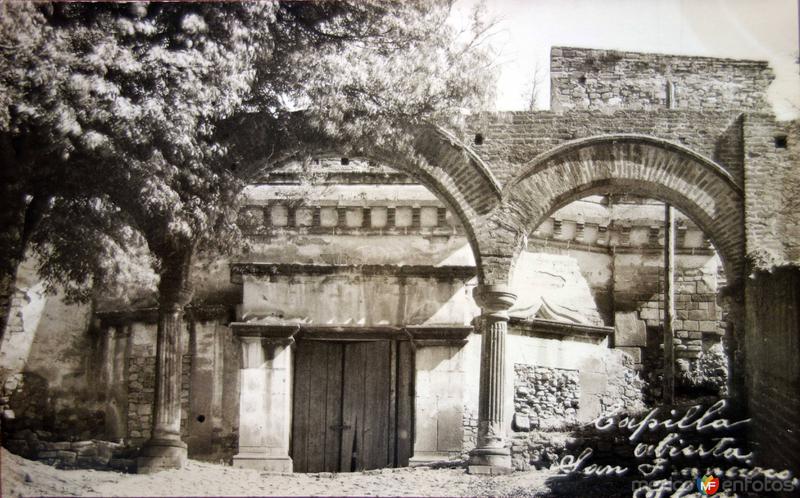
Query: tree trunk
{"x": 19, "y": 219}
{"x": 164, "y": 449}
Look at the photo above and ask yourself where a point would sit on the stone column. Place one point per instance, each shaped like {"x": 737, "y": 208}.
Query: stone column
{"x": 491, "y": 455}
{"x": 164, "y": 449}
{"x": 265, "y": 402}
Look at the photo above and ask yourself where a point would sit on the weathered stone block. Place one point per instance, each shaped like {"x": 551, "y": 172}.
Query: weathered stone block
{"x": 67, "y": 457}
{"x": 650, "y": 314}
{"x": 708, "y": 326}
{"x": 629, "y": 330}
{"x": 522, "y": 423}
{"x": 707, "y": 285}
{"x": 698, "y": 314}
{"x": 690, "y": 325}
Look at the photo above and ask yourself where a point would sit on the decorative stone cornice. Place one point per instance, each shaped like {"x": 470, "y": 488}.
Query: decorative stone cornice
{"x": 540, "y": 326}
{"x": 287, "y": 269}
{"x": 426, "y": 334}
{"x": 116, "y": 318}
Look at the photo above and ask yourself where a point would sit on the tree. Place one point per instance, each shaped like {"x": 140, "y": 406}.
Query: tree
{"x": 131, "y": 124}
{"x": 534, "y": 87}
{"x": 108, "y": 112}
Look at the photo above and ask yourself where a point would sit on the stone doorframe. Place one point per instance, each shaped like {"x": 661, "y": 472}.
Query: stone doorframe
{"x": 265, "y": 401}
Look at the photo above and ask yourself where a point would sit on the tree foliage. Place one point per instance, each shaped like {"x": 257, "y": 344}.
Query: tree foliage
{"x": 131, "y": 124}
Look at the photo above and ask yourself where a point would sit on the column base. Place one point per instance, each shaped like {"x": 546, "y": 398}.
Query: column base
{"x": 266, "y": 463}
{"x": 490, "y": 461}
{"x": 161, "y": 454}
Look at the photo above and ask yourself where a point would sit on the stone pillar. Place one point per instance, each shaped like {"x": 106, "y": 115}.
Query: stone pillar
{"x": 164, "y": 449}
{"x": 265, "y": 402}
{"x": 438, "y": 392}
{"x": 491, "y": 455}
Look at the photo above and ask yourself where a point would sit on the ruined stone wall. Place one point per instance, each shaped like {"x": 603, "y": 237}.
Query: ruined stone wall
{"x": 470, "y": 424}
{"x": 772, "y": 328}
{"x": 209, "y": 388}
{"x": 699, "y": 323}
{"x": 772, "y": 191}
{"x": 82, "y": 396}
{"x": 48, "y": 391}
{"x": 508, "y": 140}
{"x": 141, "y": 392}
{"x": 545, "y": 397}
{"x": 609, "y": 79}
{"x": 638, "y": 286}
{"x": 547, "y": 402}
{"x": 773, "y": 372}
{"x": 85, "y": 454}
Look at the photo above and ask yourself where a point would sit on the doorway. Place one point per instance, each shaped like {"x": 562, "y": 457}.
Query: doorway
{"x": 352, "y": 407}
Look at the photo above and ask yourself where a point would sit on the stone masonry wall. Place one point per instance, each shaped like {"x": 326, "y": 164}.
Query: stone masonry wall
{"x": 511, "y": 139}
{"x": 141, "y": 389}
{"x": 545, "y": 397}
{"x": 773, "y": 372}
{"x": 700, "y": 325}
{"x": 772, "y": 191}
{"x": 609, "y": 79}
{"x": 209, "y": 388}
{"x": 546, "y": 402}
{"x": 696, "y": 309}
{"x": 86, "y": 454}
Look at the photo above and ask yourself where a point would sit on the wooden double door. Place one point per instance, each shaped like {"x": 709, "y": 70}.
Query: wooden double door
{"x": 352, "y": 405}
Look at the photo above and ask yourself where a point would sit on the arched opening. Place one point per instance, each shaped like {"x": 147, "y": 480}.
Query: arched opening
{"x": 594, "y": 271}
{"x": 585, "y": 333}
{"x": 625, "y": 164}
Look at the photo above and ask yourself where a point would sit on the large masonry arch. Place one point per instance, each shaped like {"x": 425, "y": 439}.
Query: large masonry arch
{"x": 451, "y": 171}
{"x": 629, "y": 163}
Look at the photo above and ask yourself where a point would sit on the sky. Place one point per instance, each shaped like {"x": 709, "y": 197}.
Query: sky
{"x": 743, "y": 29}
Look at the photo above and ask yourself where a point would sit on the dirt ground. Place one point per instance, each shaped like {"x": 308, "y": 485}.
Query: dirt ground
{"x": 21, "y": 477}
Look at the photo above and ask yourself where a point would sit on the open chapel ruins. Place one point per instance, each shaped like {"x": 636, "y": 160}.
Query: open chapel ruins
{"x": 506, "y": 284}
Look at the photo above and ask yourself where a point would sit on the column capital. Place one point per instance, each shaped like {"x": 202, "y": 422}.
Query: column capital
{"x": 494, "y": 298}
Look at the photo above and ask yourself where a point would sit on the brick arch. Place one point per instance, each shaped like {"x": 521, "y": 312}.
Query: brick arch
{"x": 450, "y": 169}
{"x": 637, "y": 164}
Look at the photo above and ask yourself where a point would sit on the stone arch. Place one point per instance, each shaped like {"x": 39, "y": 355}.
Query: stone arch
{"x": 441, "y": 162}
{"x": 639, "y": 164}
